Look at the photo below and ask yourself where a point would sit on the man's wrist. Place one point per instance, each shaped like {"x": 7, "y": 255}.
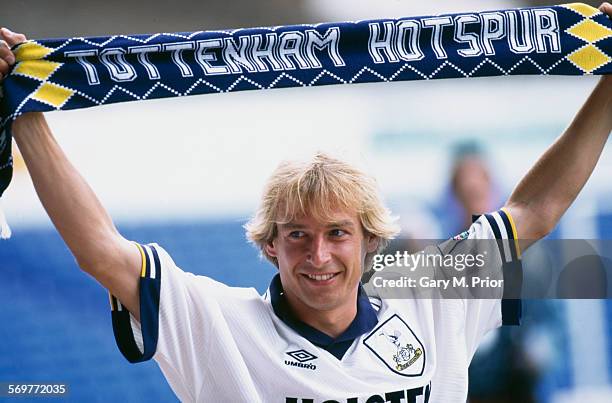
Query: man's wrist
{"x": 27, "y": 123}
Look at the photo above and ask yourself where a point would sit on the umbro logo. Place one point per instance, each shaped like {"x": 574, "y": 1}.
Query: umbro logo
{"x": 302, "y": 356}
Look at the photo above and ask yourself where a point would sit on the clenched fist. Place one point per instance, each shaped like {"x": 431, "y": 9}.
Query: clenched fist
{"x": 8, "y": 39}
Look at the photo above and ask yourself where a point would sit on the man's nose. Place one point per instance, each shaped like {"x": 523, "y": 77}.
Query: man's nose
{"x": 319, "y": 253}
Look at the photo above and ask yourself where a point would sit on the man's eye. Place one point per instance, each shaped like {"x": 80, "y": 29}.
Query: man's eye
{"x": 337, "y": 232}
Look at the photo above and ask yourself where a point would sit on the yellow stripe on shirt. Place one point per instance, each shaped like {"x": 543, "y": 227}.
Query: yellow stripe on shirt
{"x": 514, "y": 233}
{"x": 143, "y": 269}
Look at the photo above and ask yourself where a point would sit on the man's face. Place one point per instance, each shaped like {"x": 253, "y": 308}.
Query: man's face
{"x": 320, "y": 263}
{"x": 473, "y": 185}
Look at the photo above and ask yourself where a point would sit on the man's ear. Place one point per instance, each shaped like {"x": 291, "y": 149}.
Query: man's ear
{"x": 270, "y": 249}
{"x": 372, "y": 242}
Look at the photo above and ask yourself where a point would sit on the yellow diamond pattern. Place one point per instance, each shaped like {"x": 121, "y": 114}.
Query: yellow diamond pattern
{"x": 589, "y": 58}
{"x": 41, "y": 69}
{"x": 582, "y": 9}
{"x": 590, "y": 31}
{"x": 52, "y": 94}
{"x": 31, "y": 51}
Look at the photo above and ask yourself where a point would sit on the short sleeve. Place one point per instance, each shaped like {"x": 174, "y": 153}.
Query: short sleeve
{"x": 174, "y": 324}
{"x": 138, "y": 343}
{"x": 484, "y": 314}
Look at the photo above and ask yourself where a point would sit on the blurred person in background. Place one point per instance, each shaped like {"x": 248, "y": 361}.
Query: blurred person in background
{"x": 471, "y": 189}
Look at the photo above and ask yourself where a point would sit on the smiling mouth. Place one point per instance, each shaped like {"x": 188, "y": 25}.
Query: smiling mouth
{"x": 321, "y": 277}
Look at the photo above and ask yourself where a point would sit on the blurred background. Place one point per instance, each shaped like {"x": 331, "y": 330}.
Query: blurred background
{"x": 187, "y": 173}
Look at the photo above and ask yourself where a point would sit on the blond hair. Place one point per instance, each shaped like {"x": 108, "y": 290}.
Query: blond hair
{"x": 317, "y": 188}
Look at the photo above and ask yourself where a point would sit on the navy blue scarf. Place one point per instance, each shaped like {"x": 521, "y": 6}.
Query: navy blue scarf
{"x": 61, "y": 74}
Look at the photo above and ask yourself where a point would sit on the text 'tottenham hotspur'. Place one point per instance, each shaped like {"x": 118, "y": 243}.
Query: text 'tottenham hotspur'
{"x": 394, "y": 41}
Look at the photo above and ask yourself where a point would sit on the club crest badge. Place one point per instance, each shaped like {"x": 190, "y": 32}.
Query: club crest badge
{"x": 395, "y": 344}
{"x": 462, "y": 236}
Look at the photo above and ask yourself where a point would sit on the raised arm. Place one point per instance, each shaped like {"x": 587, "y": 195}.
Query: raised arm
{"x": 552, "y": 184}
{"x": 73, "y": 207}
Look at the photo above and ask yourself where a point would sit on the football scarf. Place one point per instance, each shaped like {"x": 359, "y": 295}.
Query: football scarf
{"x": 72, "y": 73}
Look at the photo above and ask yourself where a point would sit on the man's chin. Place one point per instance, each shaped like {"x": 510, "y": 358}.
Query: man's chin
{"x": 323, "y": 304}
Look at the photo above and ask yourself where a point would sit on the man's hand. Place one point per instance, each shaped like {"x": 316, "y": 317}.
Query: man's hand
{"x": 8, "y": 39}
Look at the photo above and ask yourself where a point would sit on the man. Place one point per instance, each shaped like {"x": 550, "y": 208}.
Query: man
{"x": 471, "y": 187}
{"x": 315, "y": 336}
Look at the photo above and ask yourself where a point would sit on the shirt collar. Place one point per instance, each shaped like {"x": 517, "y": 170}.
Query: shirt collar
{"x": 364, "y": 321}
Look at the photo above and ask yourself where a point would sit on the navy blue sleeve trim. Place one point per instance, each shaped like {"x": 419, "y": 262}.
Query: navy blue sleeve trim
{"x": 511, "y": 304}
{"x": 497, "y": 234}
{"x": 149, "y": 293}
